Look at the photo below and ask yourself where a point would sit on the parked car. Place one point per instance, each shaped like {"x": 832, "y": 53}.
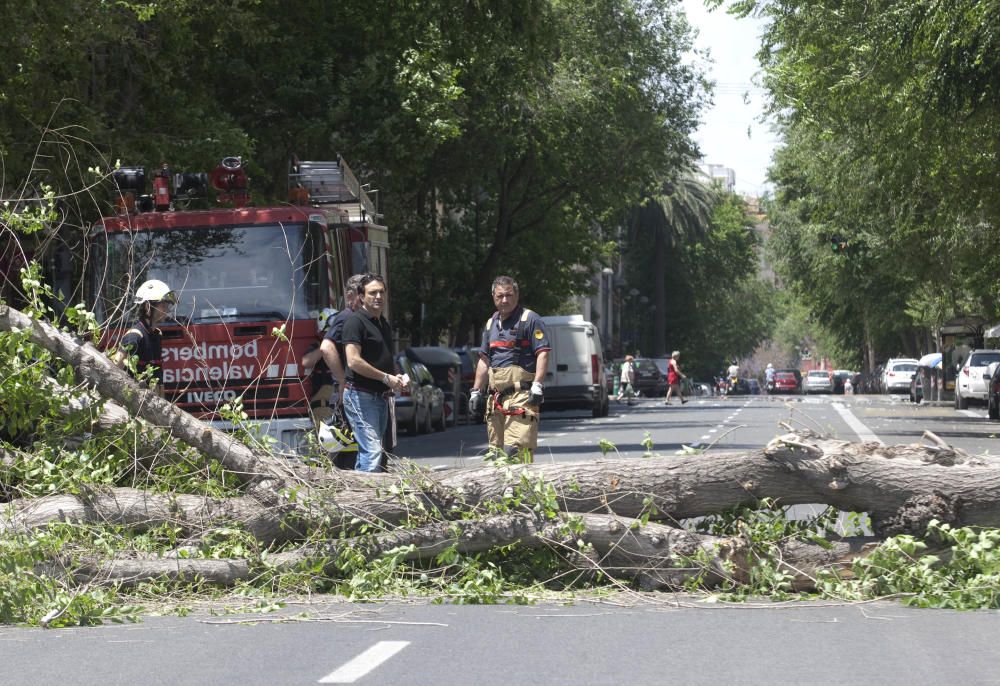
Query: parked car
{"x": 469, "y": 357}
{"x": 754, "y": 386}
{"x": 649, "y": 380}
{"x": 874, "y": 383}
{"x": 970, "y": 381}
{"x": 742, "y": 387}
{"x": 785, "y": 382}
{"x": 436, "y": 394}
{"x": 897, "y": 375}
{"x": 795, "y": 373}
{"x": 413, "y": 404}
{"x": 445, "y": 367}
{"x": 694, "y": 388}
{"x": 818, "y": 381}
{"x": 662, "y": 363}
{"x": 840, "y": 377}
{"x": 993, "y": 397}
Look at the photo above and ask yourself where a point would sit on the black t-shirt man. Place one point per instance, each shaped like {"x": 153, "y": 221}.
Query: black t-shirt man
{"x": 374, "y": 335}
{"x": 336, "y": 332}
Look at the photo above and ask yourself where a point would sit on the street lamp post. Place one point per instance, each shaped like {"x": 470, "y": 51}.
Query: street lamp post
{"x": 606, "y": 285}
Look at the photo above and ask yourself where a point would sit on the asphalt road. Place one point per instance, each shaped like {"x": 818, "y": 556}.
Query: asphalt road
{"x": 711, "y": 423}
{"x": 666, "y": 642}
{"x": 633, "y": 639}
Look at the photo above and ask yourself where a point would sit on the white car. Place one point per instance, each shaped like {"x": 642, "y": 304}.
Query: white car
{"x": 818, "y": 381}
{"x": 897, "y": 375}
{"x": 970, "y": 383}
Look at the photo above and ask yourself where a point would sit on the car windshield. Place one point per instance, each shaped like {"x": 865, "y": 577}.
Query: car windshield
{"x": 904, "y": 367}
{"x": 228, "y": 273}
{"x": 785, "y": 376}
{"x": 983, "y": 359}
{"x": 819, "y": 375}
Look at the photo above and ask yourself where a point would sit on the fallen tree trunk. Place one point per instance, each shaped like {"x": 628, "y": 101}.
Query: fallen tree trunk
{"x": 621, "y": 516}
{"x": 901, "y": 487}
{"x": 888, "y": 482}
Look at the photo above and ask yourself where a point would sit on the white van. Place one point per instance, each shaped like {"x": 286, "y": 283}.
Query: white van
{"x": 575, "y": 377}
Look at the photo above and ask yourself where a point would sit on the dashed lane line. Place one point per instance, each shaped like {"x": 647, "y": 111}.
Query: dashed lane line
{"x": 863, "y": 432}
{"x": 364, "y": 663}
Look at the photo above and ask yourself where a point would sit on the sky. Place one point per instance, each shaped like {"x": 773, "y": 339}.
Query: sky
{"x": 732, "y": 133}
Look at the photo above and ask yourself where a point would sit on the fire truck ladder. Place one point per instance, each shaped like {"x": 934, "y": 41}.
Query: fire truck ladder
{"x": 333, "y": 183}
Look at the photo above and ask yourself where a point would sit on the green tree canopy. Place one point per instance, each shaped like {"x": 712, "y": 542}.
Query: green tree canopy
{"x": 498, "y": 136}
{"x": 890, "y": 120}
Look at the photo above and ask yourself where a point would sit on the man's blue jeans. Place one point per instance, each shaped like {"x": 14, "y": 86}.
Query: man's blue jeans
{"x": 368, "y": 414}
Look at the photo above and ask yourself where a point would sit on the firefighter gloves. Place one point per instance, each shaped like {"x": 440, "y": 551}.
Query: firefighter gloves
{"x": 536, "y": 394}
{"x": 476, "y": 402}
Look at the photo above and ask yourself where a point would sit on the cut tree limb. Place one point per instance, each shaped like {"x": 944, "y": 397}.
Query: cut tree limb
{"x": 655, "y": 555}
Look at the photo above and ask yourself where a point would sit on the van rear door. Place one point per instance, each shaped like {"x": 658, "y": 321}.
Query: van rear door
{"x": 569, "y": 360}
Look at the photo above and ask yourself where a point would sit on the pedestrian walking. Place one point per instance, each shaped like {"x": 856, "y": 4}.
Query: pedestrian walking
{"x": 155, "y": 301}
{"x": 513, "y": 359}
{"x": 370, "y": 379}
{"x": 674, "y": 377}
{"x": 626, "y": 385}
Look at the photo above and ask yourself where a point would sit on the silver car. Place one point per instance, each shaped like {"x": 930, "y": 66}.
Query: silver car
{"x": 818, "y": 381}
{"x": 897, "y": 375}
{"x": 970, "y": 383}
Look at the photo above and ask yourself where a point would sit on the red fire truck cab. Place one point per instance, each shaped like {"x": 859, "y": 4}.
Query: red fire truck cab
{"x": 250, "y": 281}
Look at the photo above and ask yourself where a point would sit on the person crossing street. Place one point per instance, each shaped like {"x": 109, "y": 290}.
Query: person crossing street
{"x": 626, "y": 387}
{"x": 674, "y": 377}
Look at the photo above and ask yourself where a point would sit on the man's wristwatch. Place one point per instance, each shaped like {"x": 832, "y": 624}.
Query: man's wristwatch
{"x": 385, "y": 379}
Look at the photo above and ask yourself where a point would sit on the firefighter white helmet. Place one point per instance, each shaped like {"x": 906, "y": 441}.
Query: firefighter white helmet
{"x": 154, "y": 291}
{"x": 325, "y": 318}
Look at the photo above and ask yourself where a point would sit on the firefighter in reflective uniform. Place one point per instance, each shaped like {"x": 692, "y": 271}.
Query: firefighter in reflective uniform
{"x": 155, "y": 301}
{"x": 512, "y": 363}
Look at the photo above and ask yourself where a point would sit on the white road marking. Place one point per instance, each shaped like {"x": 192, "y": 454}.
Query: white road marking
{"x": 705, "y": 438}
{"x": 712, "y": 431}
{"x": 863, "y": 432}
{"x": 974, "y": 413}
{"x": 364, "y": 663}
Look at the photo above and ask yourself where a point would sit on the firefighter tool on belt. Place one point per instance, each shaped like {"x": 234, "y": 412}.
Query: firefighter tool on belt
{"x": 512, "y": 363}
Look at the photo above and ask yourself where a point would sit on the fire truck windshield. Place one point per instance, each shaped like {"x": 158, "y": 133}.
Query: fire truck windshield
{"x": 241, "y": 273}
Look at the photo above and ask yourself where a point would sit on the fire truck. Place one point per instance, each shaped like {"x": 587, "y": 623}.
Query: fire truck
{"x": 251, "y": 281}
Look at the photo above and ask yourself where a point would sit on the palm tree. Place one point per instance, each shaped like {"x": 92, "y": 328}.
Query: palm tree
{"x": 679, "y": 213}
